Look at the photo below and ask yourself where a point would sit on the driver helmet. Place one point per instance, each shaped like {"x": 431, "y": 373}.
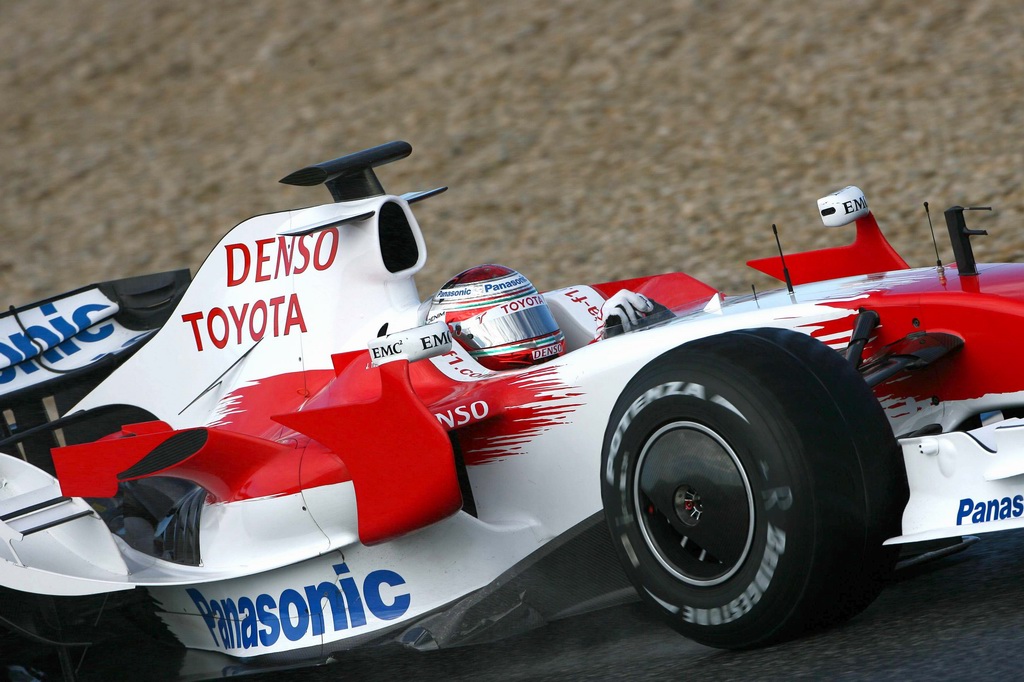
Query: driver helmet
{"x": 499, "y": 317}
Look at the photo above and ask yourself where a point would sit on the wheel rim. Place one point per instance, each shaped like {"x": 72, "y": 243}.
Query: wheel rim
{"x": 694, "y": 503}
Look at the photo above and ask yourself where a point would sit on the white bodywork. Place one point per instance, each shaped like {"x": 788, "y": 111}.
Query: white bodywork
{"x": 288, "y": 572}
{"x": 964, "y": 482}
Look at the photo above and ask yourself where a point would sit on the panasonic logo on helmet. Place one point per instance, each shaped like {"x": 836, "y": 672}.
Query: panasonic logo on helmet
{"x": 506, "y": 284}
{"x": 250, "y": 622}
{"x": 451, "y": 293}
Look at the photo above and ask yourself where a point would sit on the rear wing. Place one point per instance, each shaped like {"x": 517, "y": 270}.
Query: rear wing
{"x": 54, "y": 351}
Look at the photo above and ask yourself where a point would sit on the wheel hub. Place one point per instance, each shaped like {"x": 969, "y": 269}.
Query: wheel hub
{"x": 694, "y": 503}
{"x": 688, "y": 505}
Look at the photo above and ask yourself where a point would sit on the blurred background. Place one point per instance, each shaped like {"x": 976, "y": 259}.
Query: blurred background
{"x": 582, "y": 141}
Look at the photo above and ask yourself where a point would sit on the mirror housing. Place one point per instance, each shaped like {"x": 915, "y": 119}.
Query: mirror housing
{"x": 843, "y": 207}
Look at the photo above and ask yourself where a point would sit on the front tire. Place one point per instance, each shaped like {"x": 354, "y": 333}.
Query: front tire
{"x": 749, "y": 480}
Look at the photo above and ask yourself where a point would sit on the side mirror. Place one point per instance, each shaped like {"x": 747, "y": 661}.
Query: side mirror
{"x": 843, "y": 207}
{"x": 414, "y": 344}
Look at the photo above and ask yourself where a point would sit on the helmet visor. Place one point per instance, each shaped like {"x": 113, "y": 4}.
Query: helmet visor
{"x": 518, "y": 320}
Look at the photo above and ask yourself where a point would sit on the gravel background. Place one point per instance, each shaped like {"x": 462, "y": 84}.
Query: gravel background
{"x": 582, "y": 141}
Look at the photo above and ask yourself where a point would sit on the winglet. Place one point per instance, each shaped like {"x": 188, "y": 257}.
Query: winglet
{"x": 230, "y": 466}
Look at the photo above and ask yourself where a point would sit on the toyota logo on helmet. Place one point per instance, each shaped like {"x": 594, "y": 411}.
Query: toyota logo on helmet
{"x": 499, "y": 317}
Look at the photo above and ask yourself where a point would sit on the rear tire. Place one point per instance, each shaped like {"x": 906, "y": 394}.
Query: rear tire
{"x": 749, "y": 481}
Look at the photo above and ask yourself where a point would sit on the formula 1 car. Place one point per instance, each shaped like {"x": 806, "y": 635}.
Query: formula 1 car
{"x": 280, "y": 460}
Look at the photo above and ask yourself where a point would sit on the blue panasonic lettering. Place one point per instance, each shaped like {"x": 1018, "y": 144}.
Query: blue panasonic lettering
{"x": 203, "y": 607}
{"x": 352, "y": 600}
{"x": 11, "y": 354}
{"x": 58, "y": 339}
{"x": 990, "y": 510}
{"x": 326, "y": 592}
{"x": 246, "y": 623}
{"x": 501, "y": 286}
{"x": 8, "y": 373}
{"x": 264, "y": 607}
{"x": 293, "y": 630}
{"x": 371, "y": 590}
{"x": 64, "y": 328}
{"x": 229, "y": 627}
{"x": 966, "y": 506}
{"x": 247, "y": 614}
{"x": 217, "y": 613}
{"x": 80, "y": 318}
{"x": 68, "y": 347}
{"x": 42, "y": 336}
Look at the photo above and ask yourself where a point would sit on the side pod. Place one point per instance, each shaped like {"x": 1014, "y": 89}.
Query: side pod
{"x": 404, "y": 475}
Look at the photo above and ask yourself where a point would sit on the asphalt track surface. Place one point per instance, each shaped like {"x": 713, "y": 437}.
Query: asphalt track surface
{"x": 960, "y": 615}
{"x": 957, "y": 616}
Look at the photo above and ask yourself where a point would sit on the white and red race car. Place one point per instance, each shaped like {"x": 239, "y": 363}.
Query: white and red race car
{"x": 280, "y": 460}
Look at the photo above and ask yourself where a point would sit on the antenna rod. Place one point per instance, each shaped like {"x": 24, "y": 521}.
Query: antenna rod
{"x": 938, "y": 261}
{"x": 785, "y": 270}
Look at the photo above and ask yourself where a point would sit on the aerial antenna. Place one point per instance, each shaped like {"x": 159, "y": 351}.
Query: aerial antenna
{"x": 785, "y": 270}
{"x": 754, "y": 289}
{"x": 938, "y": 261}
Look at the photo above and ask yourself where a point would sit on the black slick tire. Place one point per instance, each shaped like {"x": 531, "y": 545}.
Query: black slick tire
{"x": 749, "y": 480}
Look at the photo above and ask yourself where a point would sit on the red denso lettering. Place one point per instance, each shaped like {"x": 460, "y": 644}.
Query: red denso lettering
{"x": 285, "y": 249}
{"x": 304, "y": 252}
{"x": 262, "y": 257}
{"x": 248, "y": 322}
{"x": 233, "y": 251}
{"x": 269, "y": 259}
{"x": 321, "y": 262}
